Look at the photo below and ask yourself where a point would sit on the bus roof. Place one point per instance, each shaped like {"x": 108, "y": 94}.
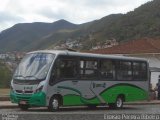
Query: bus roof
{"x": 80, "y": 54}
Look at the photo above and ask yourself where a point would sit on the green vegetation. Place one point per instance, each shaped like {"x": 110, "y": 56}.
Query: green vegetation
{"x": 5, "y": 76}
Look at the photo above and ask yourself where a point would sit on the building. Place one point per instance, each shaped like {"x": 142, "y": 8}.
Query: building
{"x": 142, "y": 48}
{"x": 4, "y": 56}
{"x": 106, "y": 44}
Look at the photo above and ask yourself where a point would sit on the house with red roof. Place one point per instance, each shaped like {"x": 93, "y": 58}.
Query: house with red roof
{"x": 143, "y": 48}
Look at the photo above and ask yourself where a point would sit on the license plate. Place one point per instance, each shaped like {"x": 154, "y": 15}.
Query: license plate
{"x": 23, "y": 102}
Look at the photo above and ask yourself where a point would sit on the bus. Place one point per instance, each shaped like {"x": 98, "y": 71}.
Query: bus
{"x": 54, "y": 78}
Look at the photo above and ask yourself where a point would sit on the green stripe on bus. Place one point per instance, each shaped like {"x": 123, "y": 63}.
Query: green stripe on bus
{"x": 37, "y": 99}
{"x": 77, "y": 99}
{"x": 131, "y": 93}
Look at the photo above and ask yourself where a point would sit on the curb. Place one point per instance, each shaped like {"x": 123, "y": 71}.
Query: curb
{"x": 142, "y": 103}
{"x": 8, "y": 106}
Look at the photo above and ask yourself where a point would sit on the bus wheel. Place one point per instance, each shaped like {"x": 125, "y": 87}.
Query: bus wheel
{"x": 118, "y": 104}
{"x": 54, "y": 104}
{"x": 23, "y": 107}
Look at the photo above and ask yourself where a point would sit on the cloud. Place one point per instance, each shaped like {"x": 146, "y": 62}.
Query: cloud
{"x": 8, "y": 19}
{"x": 80, "y": 11}
{"x": 51, "y": 14}
{"x": 76, "y": 11}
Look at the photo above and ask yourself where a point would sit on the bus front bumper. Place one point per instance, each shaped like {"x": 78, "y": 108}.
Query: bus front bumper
{"x": 36, "y": 99}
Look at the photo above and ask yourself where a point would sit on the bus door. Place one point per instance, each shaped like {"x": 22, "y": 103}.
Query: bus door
{"x": 106, "y": 75}
{"x": 68, "y": 80}
{"x": 89, "y": 76}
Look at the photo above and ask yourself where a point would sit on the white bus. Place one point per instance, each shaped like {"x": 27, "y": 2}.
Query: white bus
{"x": 64, "y": 78}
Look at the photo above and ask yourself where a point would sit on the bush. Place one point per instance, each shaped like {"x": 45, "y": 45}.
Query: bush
{"x": 5, "y": 76}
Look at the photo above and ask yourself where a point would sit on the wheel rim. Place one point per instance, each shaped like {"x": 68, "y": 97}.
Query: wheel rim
{"x": 119, "y": 102}
{"x": 55, "y": 104}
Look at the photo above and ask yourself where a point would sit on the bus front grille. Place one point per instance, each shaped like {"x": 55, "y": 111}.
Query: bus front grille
{"x": 21, "y": 91}
{"x": 23, "y": 98}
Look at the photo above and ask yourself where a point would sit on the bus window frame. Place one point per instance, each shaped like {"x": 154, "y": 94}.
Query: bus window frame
{"x": 132, "y": 61}
{"x": 55, "y": 67}
{"x": 72, "y": 58}
{"x": 100, "y": 67}
{"x": 123, "y": 79}
{"x": 97, "y": 78}
{"x": 146, "y": 70}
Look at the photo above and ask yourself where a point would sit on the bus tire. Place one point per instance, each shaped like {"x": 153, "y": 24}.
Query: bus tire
{"x": 23, "y": 107}
{"x": 54, "y": 104}
{"x": 118, "y": 104}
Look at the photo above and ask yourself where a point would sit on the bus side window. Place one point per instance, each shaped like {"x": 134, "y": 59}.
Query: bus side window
{"x": 139, "y": 71}
{"x": 124, "y": 70}
{"x": 88, "y": 69}
{"x": 107, "y": 69}
{"x": 67, "y": 69}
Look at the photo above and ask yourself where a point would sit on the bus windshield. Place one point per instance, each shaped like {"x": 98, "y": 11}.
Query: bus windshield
{"x": 34, "y": 66}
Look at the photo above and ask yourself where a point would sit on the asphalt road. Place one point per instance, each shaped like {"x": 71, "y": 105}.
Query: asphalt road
{"x": 147, "y": 112}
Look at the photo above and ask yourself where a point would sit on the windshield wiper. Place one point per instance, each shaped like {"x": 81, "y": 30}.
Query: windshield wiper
{"x": 25, "y": 77}
{"x": 18, "y": 76}
{"x": 32, "y": 76}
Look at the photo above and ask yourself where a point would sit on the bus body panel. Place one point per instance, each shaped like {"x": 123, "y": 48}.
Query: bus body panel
{"x": 82, "y": 92}
{"x": 86, "y": 92}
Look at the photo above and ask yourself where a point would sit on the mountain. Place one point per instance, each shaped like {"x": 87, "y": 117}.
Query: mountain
{"x": 140, "y": 23}
{"x": 21, "y": 36}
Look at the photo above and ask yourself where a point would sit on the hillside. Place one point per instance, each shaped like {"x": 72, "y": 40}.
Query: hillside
{"x": 140, "y": 23}
{"x": 21, "y": 36}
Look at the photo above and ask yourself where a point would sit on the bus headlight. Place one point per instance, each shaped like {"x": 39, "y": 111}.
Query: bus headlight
{"x": 39, "y": 89}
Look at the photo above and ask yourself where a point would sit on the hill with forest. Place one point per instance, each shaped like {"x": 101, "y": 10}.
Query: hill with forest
{"x": 140, "y": 23}
{"x": 23, "y": 36}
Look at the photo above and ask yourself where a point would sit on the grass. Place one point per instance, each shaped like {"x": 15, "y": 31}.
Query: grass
{"x": 4, "y": 91}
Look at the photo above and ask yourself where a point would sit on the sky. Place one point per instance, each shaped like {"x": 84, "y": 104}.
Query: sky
{"x": 75, "y": 11}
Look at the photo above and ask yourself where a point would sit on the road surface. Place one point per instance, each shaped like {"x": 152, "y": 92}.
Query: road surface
{"x": 148, "y": 112}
